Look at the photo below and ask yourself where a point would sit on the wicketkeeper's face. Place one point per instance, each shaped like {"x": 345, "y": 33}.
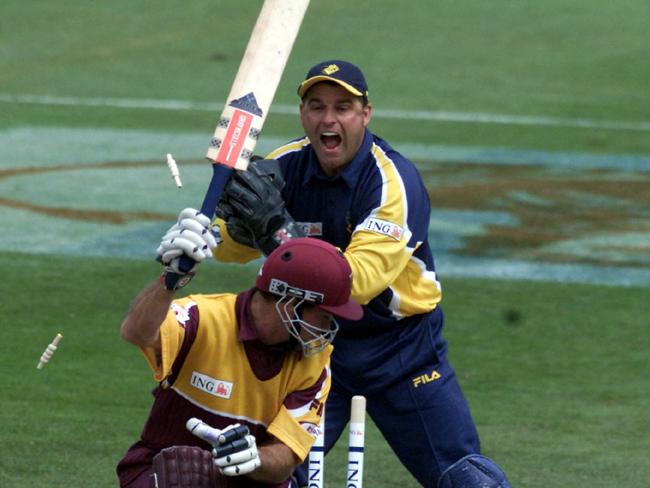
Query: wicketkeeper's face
{"x": 335, "y": 121}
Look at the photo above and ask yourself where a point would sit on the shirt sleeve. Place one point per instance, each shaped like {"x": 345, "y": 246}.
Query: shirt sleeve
{"x": 172, "y": 332}
{"x": 297, "y": 422}
{"x": 229, "y": 250}
{"x": 382, "y": 242}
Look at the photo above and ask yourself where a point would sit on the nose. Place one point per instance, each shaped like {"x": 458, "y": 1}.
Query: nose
{"x": 329, "y": 116}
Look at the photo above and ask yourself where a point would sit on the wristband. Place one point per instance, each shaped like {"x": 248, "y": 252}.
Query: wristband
{"x": 174, "y": 281}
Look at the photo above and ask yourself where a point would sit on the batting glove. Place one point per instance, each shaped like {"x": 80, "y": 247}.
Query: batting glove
{"x": 238, "y": 456}
{"x": 190, "y": 236}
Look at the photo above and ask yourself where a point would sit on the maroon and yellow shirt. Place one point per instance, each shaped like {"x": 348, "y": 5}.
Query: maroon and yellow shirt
{"x": 213, "y": 367}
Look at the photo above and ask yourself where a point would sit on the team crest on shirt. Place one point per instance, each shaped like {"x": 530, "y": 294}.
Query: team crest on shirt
{"x": 311, "y": 229}
{"x": 213, "y": 386}
{"x": 384, "y": 227}
{"x": 182, "y": 312}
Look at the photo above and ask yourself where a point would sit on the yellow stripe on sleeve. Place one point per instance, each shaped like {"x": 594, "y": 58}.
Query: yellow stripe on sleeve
{"x": 288, "y": 148}
{"x": 377, "y": 252}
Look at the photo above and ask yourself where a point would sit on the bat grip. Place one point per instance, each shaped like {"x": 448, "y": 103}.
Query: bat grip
{"x": 220, "y": 176}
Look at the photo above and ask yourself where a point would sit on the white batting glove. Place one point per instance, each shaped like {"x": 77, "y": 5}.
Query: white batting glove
{"x": 239, "y": 456}
{"x": 234, "y": 449}
{"x": 191, "y": 236}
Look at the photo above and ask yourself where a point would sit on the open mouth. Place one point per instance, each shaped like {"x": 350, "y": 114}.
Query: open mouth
{"x": 330, "y": 140}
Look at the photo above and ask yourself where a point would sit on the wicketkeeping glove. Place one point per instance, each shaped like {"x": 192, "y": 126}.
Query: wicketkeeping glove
{"x": 254, "y": 210}
{"x": 191, "y": 236}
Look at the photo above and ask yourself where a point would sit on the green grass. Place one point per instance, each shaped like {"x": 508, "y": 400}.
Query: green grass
{"x": 554, "y": 374}
{"x": 579, "y": 60}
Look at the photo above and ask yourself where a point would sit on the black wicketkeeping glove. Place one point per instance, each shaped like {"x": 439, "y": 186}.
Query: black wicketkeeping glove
{"x": 254, "y": 210}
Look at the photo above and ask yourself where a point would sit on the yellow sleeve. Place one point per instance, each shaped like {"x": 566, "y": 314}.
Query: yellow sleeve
{"x": 297, "y": 428}
{"x": 378, "y": 251}
{"x": 229, "y": 250}
{"x": 376, "y": 261}
{"x": 292, "y": 434}
{"x": 171, "y": 339}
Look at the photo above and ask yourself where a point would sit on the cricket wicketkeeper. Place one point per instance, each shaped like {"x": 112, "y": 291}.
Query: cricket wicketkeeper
{"x": 342, "y": 183}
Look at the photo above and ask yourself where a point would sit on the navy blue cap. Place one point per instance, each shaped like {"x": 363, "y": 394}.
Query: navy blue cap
{"x": 345, "y": 74}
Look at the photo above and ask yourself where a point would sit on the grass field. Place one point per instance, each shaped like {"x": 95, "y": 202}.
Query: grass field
{"x": 93, "y": 95}
{"x": 555, "y": 375}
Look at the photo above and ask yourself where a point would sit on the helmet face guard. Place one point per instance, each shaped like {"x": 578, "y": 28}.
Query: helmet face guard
{"x": 317, "y": 338}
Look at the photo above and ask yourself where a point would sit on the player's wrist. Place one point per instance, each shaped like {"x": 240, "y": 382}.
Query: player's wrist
{"x": 287, "y": 231}
{"x": 173, "y": 281}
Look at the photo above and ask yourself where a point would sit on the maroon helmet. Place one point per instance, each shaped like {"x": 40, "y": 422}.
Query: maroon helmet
{"x": 308, "y": 270}
{"x": 314, "y": 271}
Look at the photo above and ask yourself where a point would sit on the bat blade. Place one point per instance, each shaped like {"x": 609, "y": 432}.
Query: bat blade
{"x": 257, "y": 79}
{"x": 250, "y": 97}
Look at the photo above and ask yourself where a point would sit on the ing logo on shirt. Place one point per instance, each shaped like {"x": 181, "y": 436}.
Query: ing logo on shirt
{"x": 213, "y": 386}
{"x": 384, "y": 227}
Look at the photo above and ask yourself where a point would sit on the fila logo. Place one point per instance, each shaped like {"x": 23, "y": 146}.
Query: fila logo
{"x": 313, "y": 429}
{"x": 213, "y": 386}
{"x": 384, "y": 227}
{"x": 425, "y": 378}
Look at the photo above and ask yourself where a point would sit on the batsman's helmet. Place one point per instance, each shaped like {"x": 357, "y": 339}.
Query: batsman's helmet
{"x": 309, "y": 271}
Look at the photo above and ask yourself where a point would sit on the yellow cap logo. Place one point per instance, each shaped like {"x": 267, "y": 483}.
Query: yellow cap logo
{"x": 332, "y": 68}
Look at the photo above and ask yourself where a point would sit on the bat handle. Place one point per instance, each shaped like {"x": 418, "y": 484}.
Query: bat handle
{"x": 220, "y": 176}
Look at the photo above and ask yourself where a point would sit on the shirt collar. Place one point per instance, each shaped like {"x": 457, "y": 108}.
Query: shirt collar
{"x": 265, "y": 361}
{"x": 351, "y": 171}
{"x": 244, "y": 317}
{"x": 247, "y": 332}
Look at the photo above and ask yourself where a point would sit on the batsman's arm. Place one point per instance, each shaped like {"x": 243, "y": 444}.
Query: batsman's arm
{"x": 236, "y": 452}
{"x": 278, "y": 462}
{"x": 141, "y": 326}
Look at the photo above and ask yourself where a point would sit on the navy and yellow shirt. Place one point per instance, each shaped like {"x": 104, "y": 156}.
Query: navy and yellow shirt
{"x": 377, "y": 211}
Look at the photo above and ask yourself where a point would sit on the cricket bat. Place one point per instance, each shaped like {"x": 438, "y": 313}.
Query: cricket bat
{"x": 252, "y": 92}
{"x": 251, "y": 95}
